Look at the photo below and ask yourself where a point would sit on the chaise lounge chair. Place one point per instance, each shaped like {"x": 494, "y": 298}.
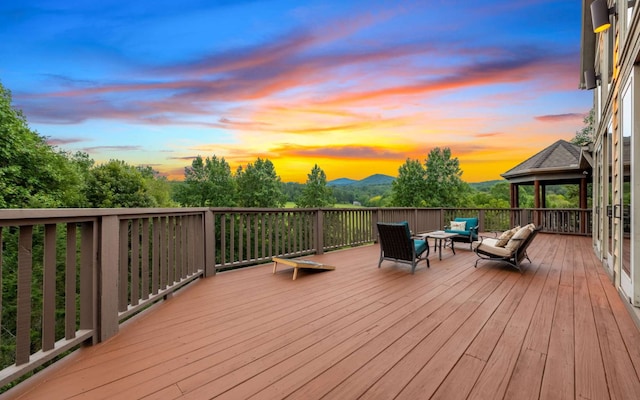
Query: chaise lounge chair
{"x": 507, "y": 248}
{"x": 396, "y": 244}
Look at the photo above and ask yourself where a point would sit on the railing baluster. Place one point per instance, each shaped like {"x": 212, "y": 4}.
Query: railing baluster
{"x": 163, "y": 253}
{"x": 155, "y": 260}
{"x": 174, "y": 276}
{"x": 179, "y": 272}
{"x": 88, "y": 303}
{"x": 191, "y": 238}
{"x": 49, "y": 288}
{"x": 145, "y": 259}
{"x": 263, "y": 222}
{"x": 123, "y": 283}
{"x": 70, "y": 283}
{"x": 135, "y": 261}
{"x": 223, "y": 240}
{"x": 23, "y": 326}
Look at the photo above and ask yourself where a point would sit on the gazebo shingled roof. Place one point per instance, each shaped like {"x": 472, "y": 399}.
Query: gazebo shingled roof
{"x": 559, "y": 162}
{"x": 555, "y": 165}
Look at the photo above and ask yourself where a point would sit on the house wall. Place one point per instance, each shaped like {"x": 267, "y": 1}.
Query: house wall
{"x": 617, "y": 105}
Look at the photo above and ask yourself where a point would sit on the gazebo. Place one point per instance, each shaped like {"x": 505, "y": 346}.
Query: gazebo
{"x": 559, "y": 164}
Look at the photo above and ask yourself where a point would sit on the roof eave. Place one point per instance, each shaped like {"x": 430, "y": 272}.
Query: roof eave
{"x": 587, "y": 43}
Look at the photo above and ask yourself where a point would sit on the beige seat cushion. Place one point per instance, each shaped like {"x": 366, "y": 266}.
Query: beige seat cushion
{"x": 517, "y": 239}
{"x": 487, "y": 247}
{"x": 506, "y": 235}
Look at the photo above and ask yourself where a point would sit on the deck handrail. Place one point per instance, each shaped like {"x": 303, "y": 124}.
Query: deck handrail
{"x": 95, "y": 268}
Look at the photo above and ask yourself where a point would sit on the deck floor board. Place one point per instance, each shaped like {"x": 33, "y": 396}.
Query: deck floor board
{"x": 558, "y": 330}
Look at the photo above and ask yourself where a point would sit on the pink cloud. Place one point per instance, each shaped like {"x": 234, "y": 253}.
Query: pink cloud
{"x": 489, "y": 134}
{"x": 342, "y": 152}
{"x": 98, "y": 149}
{"x": 60, "y": 142}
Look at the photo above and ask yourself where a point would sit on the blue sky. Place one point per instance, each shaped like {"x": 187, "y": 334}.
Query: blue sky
{"x": 356, "y": 87}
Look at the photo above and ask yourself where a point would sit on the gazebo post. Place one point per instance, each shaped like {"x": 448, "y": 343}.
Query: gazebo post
{"x": 513, "y": 191}
{"x": 536, "y": 202}
{"x": 583, "y": 204}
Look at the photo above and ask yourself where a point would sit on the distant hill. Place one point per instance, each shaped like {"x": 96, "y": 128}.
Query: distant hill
{"x": 486, "y": 185}
{"x": 341, "y": 182}
{"x": 377, "y": 179}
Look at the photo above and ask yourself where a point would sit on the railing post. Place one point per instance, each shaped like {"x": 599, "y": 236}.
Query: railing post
{"x": 209, "y": 243}
{"x": 481, "y": 221}
{"x": 375, "y": 218}
{"x": 319, "y": 233}
{"x": 108, "y": 288}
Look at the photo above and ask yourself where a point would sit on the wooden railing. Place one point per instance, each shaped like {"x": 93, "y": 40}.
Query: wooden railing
{"x": 69, "y": 277}
{"x": 90, "y": 269}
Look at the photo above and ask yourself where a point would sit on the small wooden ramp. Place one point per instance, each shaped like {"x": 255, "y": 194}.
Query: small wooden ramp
{"x": 297, "y": 264}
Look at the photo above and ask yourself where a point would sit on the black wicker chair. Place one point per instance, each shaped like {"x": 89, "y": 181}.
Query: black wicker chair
{"x": 396, "y": 244}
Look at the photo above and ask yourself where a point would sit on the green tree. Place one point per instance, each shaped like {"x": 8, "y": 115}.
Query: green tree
{"x": 315, "y": 192}
{"x": 409, "y": 188}
{"x": 585, "y": 135}
{"x": 157, "y": 186}
{"x": 207, "y": 183}
{"x": 117, "y": 184}
{"x": 32, "y": 173}
{"x": 444, "y": 185}
{"x": 292, "y": 190}
{"x": 259, "y": 185}
{"x": 497, "y": 196}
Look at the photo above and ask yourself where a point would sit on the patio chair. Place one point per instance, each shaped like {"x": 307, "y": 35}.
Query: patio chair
{"x": 466, "y": 230}
{"x": 396, "y": 244}
{"x": 512, "y": 253}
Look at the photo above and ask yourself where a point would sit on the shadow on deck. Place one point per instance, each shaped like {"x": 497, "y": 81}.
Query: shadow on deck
{"x": 558, "y": 330}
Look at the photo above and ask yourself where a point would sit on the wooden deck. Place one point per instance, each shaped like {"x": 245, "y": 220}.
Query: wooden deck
{"x": 557, "y": 331}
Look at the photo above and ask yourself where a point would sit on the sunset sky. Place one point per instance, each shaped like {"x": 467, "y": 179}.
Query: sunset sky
{"x": 356, "y": 87}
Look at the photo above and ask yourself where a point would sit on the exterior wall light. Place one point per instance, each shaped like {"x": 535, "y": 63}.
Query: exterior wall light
{"x": 600, "y": 13}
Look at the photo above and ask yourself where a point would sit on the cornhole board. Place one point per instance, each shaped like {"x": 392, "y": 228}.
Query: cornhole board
{"x": 296, "y": 264}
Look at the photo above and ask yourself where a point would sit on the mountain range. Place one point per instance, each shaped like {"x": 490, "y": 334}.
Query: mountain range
{"x": 376, "y": 179}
